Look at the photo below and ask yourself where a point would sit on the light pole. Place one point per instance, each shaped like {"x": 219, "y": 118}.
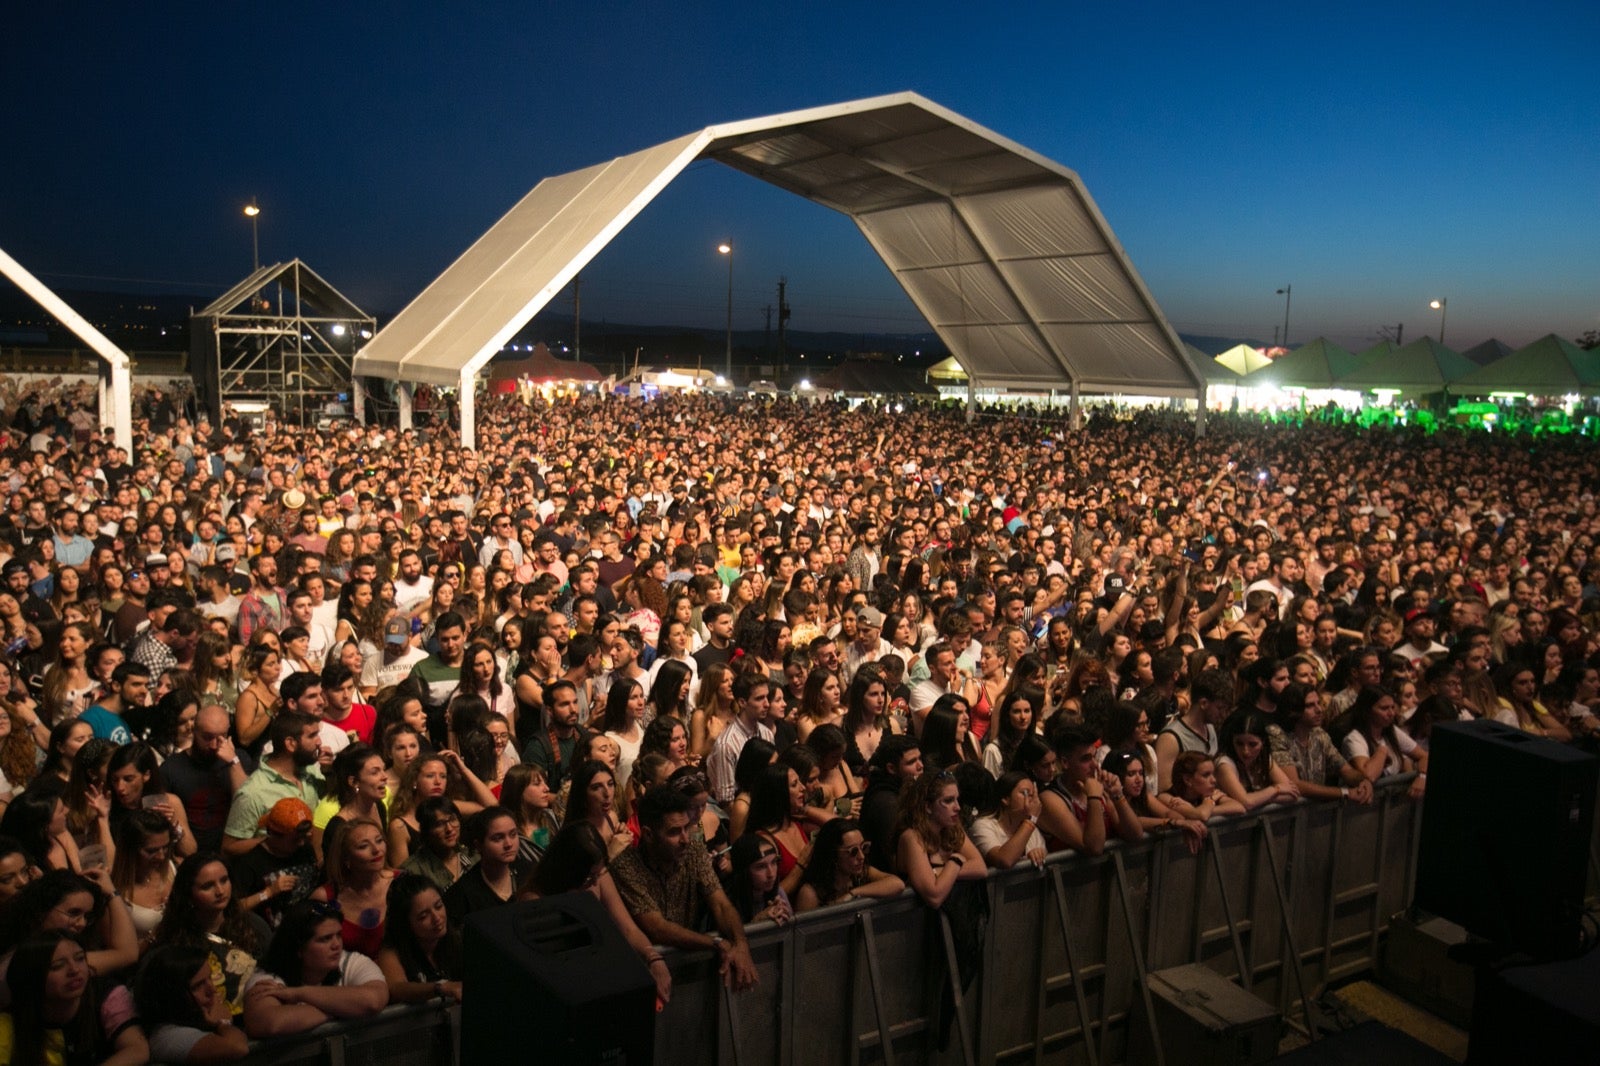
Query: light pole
{"x": 727, "y": 356}
{"x": 1287, "y": 292}
{"x": 253, "y": 213}
{"x": 1439, "y": 306}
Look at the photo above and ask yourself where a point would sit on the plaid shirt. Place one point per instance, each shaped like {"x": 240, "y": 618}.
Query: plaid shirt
{"x": 256, "y": 613}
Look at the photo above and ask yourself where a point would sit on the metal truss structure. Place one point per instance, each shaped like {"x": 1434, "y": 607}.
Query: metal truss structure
{"x": 282, "y": 338}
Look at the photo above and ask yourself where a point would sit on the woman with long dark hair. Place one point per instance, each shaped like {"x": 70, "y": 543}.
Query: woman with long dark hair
{"x": 946, "y": 734}
{"x": 133, "y": 777}
{"x": 421, "y": 957}
{"x": 753, "y": 886}
{"x": 839, "y": 870}
{"x": 1017, "y": 717}
{"x": 202, "y": 912}
{"x": 623, "y": 721}
{"x": 179, "y": 1008}
{"x": 1245, "y": 770}
{"x": 55, "y": 1015}
{"x": 777, "y": 811}
{"x": 307, "y": 977}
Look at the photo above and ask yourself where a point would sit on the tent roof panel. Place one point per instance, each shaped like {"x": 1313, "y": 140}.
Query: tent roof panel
{"x": 933, "y": 192}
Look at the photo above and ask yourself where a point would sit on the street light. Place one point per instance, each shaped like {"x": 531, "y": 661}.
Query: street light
{"x": 727, "y": 358}
{"x": 1287, "y": 292}
{"x": 253, "y": 213}
{"x": 1439, "y": 306}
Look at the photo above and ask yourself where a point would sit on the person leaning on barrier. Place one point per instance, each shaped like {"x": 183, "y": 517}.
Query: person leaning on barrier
{"x": 934, "y": 851}
{"x": 1092, "y": 797}
{"x": 307, "y": 977}
{"x": 670, "y": 888}
{"x": 1317, "y": 764}
{"x": 839, "y": 870}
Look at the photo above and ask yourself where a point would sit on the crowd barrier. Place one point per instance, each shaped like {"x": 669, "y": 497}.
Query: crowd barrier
{"x": 1284, "y": 901}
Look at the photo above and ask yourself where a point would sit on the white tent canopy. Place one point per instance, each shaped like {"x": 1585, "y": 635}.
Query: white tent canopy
{"x": 1002, "y": 250}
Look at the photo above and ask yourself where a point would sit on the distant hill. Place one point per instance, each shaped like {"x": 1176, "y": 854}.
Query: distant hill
{"x": 160, "y": 322}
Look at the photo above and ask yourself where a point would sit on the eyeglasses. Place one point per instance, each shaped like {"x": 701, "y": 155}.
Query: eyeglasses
{"x": 853, "y": 850}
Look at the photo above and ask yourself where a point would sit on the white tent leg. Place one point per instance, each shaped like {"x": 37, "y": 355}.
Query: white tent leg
{"x": 1074, "y": 409}
{"x": 403, "y": 394}
{"x": 1200, "y": 414}
{"x": 972, "y": 400}
{"x": 358, "y": 401}
{"x": 469, "y": 419}
{"x": 121, "y": 406}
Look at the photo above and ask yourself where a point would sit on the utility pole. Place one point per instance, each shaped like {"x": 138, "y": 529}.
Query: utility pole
{"x": 783, "y": 321}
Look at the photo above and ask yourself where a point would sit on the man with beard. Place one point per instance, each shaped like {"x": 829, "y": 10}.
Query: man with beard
{"x": 291, "y": 770}
{"x": 205, "y": 776}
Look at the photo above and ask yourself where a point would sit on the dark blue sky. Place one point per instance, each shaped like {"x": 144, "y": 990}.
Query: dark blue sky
{"x": 1372, "y": 155}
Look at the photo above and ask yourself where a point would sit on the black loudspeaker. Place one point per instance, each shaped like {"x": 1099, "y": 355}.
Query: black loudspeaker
{"x": 553, "y": 981}
{"x": 1506, "y": 828}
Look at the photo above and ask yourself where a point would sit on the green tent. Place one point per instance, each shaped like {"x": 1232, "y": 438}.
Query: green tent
{"x": 1421, "y": 367}
{"x": 1216, "y": 372}
{"x": 1318, "y": 365}
{"x": 1549, "y": 366}
{"x": 1243, "y": 359}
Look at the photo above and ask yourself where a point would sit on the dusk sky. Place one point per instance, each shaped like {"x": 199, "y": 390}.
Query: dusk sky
{"x": 1374, "y": 156}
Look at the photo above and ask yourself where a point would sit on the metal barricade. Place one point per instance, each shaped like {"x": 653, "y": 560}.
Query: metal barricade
{"x": 1282, "y": 900}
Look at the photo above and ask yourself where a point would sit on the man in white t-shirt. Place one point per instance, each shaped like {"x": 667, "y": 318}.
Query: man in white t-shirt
{"x": 393, "y": 662}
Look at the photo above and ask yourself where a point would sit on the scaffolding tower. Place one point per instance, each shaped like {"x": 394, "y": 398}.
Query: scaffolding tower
{"x": 283, "y": 338}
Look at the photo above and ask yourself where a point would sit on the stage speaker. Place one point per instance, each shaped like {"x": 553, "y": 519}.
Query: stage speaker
{"x": 553, "y": 981}
{"x": 1506, "y": 828}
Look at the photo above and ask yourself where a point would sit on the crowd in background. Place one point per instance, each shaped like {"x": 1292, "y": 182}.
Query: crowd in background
{"x": 281, "y": 707}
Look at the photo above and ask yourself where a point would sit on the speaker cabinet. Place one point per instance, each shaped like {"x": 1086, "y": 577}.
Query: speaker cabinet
{"x": 553, "y": 981}
{"x": 1506, "y": 827}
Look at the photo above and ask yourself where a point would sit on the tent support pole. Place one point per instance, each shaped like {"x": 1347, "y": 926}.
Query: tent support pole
{"x": 972, "y": 399}
{"x": 403, "y": 395}
{"x": 1200, "y": 413}
{"x": 469, "y": 429}
{"x": 1074, "y": 408}
{"x": 358, "y": 400}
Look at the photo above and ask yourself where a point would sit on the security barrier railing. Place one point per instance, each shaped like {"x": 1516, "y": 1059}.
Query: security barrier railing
{"x": 1284, "y": 900}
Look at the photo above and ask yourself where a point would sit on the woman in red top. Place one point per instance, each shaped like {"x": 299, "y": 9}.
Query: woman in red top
{"x": 777, "y": 802}
{"x": 359, "y": 878}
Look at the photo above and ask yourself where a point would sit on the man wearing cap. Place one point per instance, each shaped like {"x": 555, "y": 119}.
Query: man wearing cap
{"x": 394, "y": 663}
{"x": 868, "y": 645}
{"x": 290, "y": 771}
{"x": 281, "y": 872}
{"x": 1419, "y": 642}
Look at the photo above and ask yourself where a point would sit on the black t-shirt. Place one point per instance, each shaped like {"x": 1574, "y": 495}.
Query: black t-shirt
{"x": 251, "y": 870}
{"x": 206, "y": 791}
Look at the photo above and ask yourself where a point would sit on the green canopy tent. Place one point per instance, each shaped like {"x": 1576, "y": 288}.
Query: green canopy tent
{"x": 1216, "y": 372}
{"x": 1424, "y": 366}
{"x": 1550, "y": 366}
{"x": 1243, "y": 359}
{"x": 1318, "y": 365}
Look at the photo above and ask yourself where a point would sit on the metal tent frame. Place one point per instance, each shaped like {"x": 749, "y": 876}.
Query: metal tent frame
{"x": 283, "y": 337}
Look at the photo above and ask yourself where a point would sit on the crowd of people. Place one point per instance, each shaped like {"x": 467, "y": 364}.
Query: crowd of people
{"x": 281, "y": 707}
